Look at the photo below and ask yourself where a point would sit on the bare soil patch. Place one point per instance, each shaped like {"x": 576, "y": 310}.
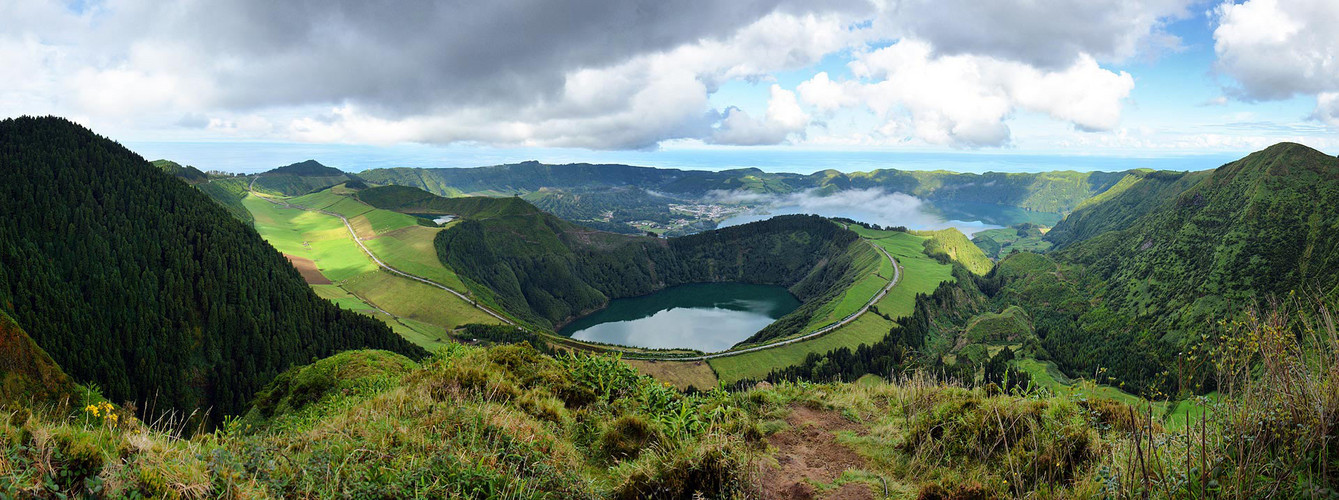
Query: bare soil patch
{"x": 681, "y": 374}
{"x": 307, "y": 268}
{"x": 808, "y": 452}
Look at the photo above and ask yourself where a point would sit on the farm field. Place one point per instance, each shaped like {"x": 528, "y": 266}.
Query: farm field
{"x": 414, "y": 300}
{"x": 310, "y": 235}
{"x": 410, "y": 249}
{"x": 418, "y": 312}
{"x": 681, "y": 374}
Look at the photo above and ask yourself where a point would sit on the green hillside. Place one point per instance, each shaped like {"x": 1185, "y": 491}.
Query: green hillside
{"x": 27, "y": 373}
{"x": 227, "y": 191}
{"x": 343, "y": 273}
{"x": 187, "y": 173}
{"x": 1255, "y": 228}
{"x": 632, "y": 200}
{"x": 413, "y": 200}
{"x": 139, "y": 283}
{"x": 549, "y": 271}
{"x": 999, "y": 243}
{"x": 1054, "y": 192}
{"x": 299, "y": 178}
{"x": 951, "y": 245}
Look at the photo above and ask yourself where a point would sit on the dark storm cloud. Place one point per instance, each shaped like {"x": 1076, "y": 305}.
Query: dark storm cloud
{"x": 408, "y": 57}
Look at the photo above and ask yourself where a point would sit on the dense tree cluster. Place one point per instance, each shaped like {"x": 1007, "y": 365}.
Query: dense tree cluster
{"x": 139, "y": 283}
{"x": 866, "y": 225}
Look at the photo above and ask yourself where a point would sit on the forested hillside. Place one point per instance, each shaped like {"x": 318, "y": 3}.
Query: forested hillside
{"x": 1141, "y": 274}
{"x": 417, "y": 201}
{"x": 227, "y": 191}
{"x": 186, "y": 173}
{"x": 139, "y": 283}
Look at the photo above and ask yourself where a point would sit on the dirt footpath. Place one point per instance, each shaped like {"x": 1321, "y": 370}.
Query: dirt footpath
{"x": 809, "y": 452}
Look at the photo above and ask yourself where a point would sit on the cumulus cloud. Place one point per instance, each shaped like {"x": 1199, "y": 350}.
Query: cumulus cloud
{"x": 964, "y": 100}
{"x": 784, "y": 117}
{"x": 1327, "y": 108}
{"x": 1275, "y": 50}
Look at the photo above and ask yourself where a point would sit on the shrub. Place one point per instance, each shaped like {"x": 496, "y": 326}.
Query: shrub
{"x": 1030, "y": 441}
{"x": 714, "y": 469}
{"x": 626, "y": 437}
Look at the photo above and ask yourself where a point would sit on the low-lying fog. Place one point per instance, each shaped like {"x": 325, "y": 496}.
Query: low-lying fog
{"x": 875, "y": 206}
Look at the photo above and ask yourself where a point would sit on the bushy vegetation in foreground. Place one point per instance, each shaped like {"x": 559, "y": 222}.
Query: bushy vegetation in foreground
{"x": 510, "y": 422}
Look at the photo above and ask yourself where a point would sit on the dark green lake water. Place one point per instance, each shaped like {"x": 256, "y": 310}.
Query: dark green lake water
{"x": 705, "y": 316}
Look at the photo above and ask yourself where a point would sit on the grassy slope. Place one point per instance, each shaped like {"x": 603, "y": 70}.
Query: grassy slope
{"x": 27, "y": 373}
{"x": 423, "y": 313}
{"x": 410, "y": 249}
{"x": 1045, "y": 374}
{"x": 920, "y": 274}
{"x": 509, "y": 421}
{"x": 318, "y": 237}
{"x": 1007, "y": 240}
{"x": 953, "y": 244}
{"x": 1010, "y": 325}
{"x": 877, "y": 271}
{"x": 418, "y": 301}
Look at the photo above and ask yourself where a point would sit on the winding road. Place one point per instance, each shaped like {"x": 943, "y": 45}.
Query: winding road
{"x": 897, "y": 277}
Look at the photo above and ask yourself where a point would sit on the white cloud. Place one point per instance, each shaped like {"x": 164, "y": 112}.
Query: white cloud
{"x": 1327, "y": 108}
{"x": 784, "y": 117}
{"x": 1275, "y": 50}
{"x": 873, "y": 205}
{"x": 824, "y": 94}
{"x": 963, "y": 100}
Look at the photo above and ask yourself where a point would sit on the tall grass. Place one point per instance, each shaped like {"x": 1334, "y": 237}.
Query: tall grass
{"x": 1272, "y": 432}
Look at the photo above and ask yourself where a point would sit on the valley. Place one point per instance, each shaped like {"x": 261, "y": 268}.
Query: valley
{"x": 433, "y": 317}
{"x": 678, "y": 250}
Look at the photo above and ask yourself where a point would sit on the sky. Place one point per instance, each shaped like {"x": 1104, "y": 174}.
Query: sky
{"x": 783, "y": 85}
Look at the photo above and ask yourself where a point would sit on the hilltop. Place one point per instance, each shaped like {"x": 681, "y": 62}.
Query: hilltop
{"x": 299, "y": 178}
{"x": 186, "y": 173}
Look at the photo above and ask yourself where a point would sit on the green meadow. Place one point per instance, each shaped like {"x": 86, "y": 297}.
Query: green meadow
{"x": 419, "y": 312}
{"x": 311, "y": 235}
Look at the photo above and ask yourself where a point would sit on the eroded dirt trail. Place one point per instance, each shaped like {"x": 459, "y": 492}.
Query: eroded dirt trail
{"x": 808, "y": 452}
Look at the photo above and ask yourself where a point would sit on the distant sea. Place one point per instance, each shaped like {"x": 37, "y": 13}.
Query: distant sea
{"x": 250, "y": 157}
